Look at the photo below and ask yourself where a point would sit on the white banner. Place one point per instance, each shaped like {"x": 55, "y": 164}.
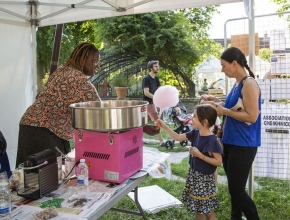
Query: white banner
{"x": 248, "y": 8}
{"x": 273, "y": 157}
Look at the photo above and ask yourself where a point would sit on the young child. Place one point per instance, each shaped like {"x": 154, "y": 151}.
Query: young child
{"x": 182, "y": 116}
{"x": 214, "y": 129}
{"x": 205, "y": 155}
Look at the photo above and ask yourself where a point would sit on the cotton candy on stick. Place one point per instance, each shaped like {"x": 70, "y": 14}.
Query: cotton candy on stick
{"x": 165, "y": 96}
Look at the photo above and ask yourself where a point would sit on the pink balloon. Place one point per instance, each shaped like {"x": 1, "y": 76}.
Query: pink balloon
{"x": 166, "y": 96}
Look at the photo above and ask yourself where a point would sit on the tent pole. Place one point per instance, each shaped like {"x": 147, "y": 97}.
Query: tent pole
{"x": 56, "y": 48}
{"x": 33, "y": 45}
{"x": 252, "y": 50}
{"x": 225, "y": 47}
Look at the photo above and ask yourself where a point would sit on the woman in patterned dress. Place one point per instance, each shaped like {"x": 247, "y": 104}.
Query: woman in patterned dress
{"x": 199, "y": 193}
{"x": 47, "y": 122}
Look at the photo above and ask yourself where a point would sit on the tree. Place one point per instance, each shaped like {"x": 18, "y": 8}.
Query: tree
{"x": 73, "y": 34}
{"x": 178, "y": 39}
{"x": 264, "y": 54}
{"x": 285, "y": 5}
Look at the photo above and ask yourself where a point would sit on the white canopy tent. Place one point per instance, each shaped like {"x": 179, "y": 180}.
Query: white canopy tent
{"x": 18, "y": 23}
{"x": 209, "y": 69}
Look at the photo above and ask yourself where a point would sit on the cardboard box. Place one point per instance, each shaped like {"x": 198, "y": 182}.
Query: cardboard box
{"x": 241, "y": 41}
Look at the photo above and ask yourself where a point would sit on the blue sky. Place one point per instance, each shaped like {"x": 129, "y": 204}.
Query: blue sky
{"x": 236, "y": 10}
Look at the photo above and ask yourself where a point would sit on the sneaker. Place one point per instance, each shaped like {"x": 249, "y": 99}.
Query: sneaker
{"x": 163, "y": 144}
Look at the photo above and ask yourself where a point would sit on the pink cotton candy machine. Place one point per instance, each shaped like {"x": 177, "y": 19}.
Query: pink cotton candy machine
{"x": 109, "y": 136}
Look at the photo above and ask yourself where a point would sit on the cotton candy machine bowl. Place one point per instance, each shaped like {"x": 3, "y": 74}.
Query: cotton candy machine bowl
{"x": 110, "y": 115}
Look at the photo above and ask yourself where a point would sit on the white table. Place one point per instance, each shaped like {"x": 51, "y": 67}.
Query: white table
{"x": 130, "y": 187}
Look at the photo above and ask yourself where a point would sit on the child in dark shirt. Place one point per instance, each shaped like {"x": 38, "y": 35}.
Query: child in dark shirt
{"x": 205, "y": 155}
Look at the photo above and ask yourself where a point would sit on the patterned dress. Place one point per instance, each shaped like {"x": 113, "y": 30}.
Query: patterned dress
{"x": 47, "y": 122}
{"x": 199, "y": 192}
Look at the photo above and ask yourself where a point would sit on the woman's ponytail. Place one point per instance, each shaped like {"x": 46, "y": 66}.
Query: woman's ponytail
{"x": 249, "y": 70}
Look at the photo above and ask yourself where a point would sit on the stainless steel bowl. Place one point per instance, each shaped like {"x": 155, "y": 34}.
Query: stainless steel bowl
{"x": 110, "y": 115}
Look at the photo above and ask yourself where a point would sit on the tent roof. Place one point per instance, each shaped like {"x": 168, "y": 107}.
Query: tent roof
{"x": 209, "y": 65}
{"x": 52, "y": 12}
{"x": 18, "y": 21}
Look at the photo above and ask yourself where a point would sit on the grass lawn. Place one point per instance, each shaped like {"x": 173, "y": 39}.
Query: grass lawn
{"x": 272, "y": 201}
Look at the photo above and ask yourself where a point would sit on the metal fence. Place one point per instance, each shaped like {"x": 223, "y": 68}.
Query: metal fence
{"x": 272, "y": 32}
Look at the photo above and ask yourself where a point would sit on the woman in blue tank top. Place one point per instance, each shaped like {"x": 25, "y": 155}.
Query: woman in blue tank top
{"x": 241, "y": 130}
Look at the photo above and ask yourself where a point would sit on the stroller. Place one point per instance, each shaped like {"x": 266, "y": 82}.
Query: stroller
{"x": 181, "y": 127}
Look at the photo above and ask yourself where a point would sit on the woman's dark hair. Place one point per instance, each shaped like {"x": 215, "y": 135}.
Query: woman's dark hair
{"x": 80, "y": 54}
{"x": 151, "y": 63}
{"x": 234, "y": 53}
{"x": 206, "y": 111}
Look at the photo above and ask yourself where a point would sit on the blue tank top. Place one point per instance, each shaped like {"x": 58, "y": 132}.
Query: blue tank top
{"x": 237, "y": 132}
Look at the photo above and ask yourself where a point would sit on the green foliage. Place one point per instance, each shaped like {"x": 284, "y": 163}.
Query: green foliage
{"x": 284, "y": 76}
{"x": 178, "y": 39}
{"x": 163, "y": 36}
{"x": 45, "y": 78}
{"x": 221, "y": 171}
{"x": 181, "y": 169}
{"x": 121, "y": 80}
{"x": 285, "y": 5}
{"x": 45, "y": 38}
{"x": 200, "y": 19}
{"x": 73, "y": 34}
{"x": 264, "y": 54}
{"x": 270, "y": 204}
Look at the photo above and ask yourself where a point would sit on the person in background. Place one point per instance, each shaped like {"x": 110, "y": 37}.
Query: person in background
{"x": 150, "y": 84}
{"x": 205, "y": 85}
{"x": 4, "y": 161}
{"x": 47, "y": 122}
{"x": 205, "y": 156}
{"x": 182, "y": 116}
{"x": 240, "y": 139}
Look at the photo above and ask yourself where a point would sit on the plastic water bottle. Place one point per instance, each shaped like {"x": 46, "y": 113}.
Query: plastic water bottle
{"x": 82, "y": 174}
{"x": 5, "y": 200}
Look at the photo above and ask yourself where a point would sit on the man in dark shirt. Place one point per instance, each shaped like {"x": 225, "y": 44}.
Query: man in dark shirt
{"x": 150, "y": 84}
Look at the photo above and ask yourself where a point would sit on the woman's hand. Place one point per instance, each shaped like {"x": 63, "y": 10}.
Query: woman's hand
{"x": 209, "y": 98}
{"x": 220, "y": 109}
